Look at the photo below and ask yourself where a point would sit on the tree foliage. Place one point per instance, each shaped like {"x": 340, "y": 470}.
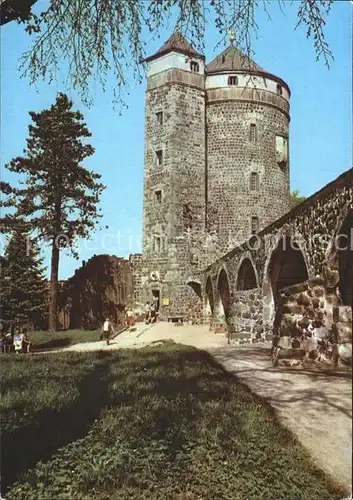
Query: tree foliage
{"x": 24, "y": 290}
{"x": 58, "y": 198}
{"x": 295, "y": 198}
{"x": 97, "y": 38}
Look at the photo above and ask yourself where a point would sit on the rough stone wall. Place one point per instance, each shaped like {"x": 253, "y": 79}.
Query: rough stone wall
{"x": 101, "y": 288}
{"x": 313, "y": 300}
{"x": 231, "y": 159}
{"x": 246, "y": 313}
{"x": 181, "y": 180}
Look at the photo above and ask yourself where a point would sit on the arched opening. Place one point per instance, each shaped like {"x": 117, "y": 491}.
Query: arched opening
{"x": 209, "y": 296}
{"x": 246, "y": 276}
{"x": 287, "y": 266}
{"x": 344, "y": 242}
{"x": 196, "y": 286}
{"x": 224, "y": 292}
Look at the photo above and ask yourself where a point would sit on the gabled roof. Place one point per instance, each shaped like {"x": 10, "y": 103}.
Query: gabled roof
{"x": 232, "y": 59}
{"x": 175, "y": 43}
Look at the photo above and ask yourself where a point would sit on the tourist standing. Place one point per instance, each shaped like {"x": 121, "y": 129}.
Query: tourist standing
{"x": 107, "y": 330}
{"x": 147, "y": 313}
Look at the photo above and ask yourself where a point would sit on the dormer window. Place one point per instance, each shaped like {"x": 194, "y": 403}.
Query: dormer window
{"x": 279, "y": 89}
{"x": 233, "y": 81}
{"x": 194, "y": 67}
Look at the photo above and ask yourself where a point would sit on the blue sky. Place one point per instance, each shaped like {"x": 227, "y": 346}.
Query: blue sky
{"x": 320, "y": 130}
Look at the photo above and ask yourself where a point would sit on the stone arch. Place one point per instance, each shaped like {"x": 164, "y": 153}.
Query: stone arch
{"x": 209, "y": 297}
{"x": 246, "y": 276}
{"x": 286, "y": 265}
{"x": 196, "y": 287}
{"x": 223, "y": 293}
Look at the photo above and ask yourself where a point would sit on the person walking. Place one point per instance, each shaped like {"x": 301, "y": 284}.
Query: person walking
{"x": 107, "y": 330}
{"x": 147, "y": 313}
{"x": 130, "y": 318}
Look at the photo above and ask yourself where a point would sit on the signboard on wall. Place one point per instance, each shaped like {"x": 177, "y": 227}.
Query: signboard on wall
{"x": 165, "y": 302}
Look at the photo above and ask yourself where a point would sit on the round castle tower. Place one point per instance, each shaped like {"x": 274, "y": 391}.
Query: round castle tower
{"x": 247, "y": 122}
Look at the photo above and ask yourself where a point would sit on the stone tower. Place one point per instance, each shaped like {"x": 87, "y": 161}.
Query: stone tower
{"x": 174, "y": 182}
{"x": 216, "y": 161}
{"x": 247, "y": 122}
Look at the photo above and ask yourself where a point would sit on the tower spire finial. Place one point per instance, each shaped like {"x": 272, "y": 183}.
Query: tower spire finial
{"x": 231, "y": 34}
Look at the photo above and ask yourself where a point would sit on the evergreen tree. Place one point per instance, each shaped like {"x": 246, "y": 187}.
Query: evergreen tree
{"x": 58, "y": 199}
{"x": 24, "y": 290}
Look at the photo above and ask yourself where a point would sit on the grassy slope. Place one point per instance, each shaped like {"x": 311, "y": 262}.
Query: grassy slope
{"x": 158, "y": 423}
{"x": 46, "y": 340}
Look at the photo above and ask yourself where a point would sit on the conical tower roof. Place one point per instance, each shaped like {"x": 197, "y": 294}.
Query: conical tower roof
{"x": 232, "y": 59}
{"x": 175, "y": 43}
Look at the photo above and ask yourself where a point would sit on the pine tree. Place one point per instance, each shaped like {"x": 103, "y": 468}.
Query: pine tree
{"x": 59, "y": 197}
{"x": 24, "y": 290}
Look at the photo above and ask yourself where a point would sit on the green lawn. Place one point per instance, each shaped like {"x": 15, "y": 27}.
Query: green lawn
{"x": 46, "y": 340}
{"x": 160, "y": 423}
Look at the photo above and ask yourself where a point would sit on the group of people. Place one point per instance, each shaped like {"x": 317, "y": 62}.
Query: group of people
{"x": 15, "y": 341}
{"x": 151, "y": 311}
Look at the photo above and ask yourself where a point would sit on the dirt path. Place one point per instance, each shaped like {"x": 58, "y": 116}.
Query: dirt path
{"x": 315, "y": 405}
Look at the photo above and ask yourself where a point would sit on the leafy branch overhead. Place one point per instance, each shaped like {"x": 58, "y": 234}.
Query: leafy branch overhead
{"x": 100, "y": 38}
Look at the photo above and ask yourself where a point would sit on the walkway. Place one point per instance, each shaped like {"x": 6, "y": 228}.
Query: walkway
{"x": 315, "y": 405}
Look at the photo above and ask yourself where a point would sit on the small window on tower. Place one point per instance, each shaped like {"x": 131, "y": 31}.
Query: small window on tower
{"x": 157, "y": 244}
{"x": 253, "y": 133}
{"x": 159, "y": 157}
{"x": 233, "y": 81}
{"x": 279, "y": 89}
{"x": 254, "y": 225}
{"x": 194, "y": 66}
{"x": 158, "y": 196}
{"x": 159, "y": 117}
{"x": 187, "y": 215}
{"x": 254, "y": 181}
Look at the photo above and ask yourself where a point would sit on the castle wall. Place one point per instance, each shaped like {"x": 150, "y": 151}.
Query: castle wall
{"x": 314, "y": 226}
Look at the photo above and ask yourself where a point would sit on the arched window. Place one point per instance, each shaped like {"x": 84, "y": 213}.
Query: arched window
{"x": 233, "y": 80}
{"x": 254, "y": 181}
{"x": 194, "y": 66}
{"x": 279, "y": 89}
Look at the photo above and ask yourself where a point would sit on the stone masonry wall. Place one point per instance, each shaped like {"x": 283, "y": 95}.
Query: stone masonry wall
{"x": 312, "y": 300}
{"x": 246, "y": 315}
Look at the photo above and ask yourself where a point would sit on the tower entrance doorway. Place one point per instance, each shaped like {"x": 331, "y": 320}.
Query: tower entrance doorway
{"x": 156, "y": 296}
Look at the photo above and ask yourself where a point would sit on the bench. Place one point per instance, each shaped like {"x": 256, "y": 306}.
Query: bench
{"x": 176, "y": 319}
